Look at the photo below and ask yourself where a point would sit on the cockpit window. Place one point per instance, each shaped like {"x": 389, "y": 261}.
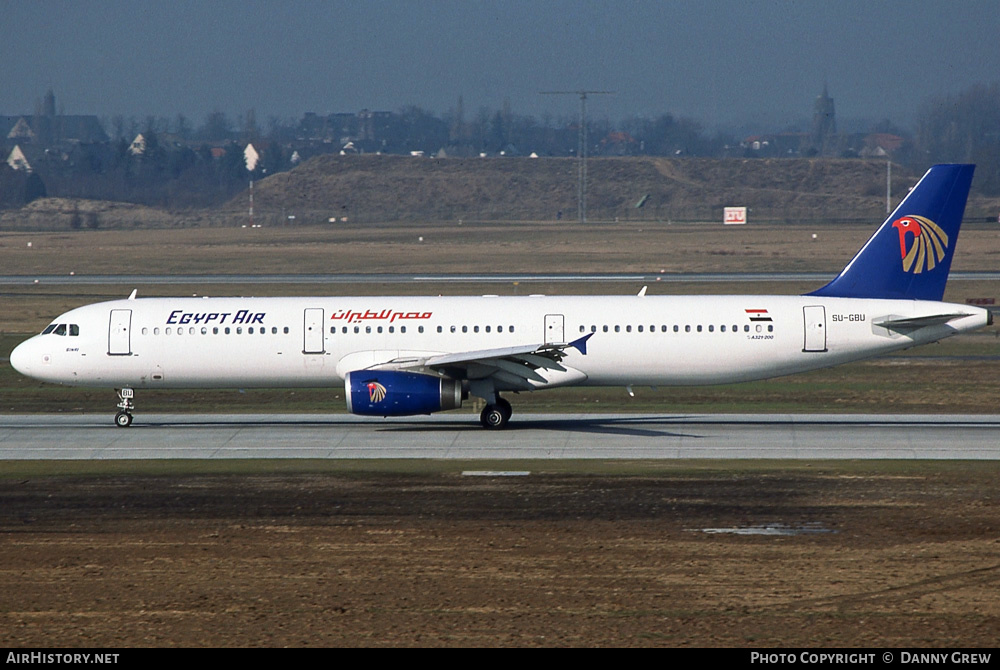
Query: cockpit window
{"x": 72, "y": 329}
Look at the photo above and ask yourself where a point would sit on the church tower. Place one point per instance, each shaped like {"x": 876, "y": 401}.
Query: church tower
{"x": 824, "y": 125}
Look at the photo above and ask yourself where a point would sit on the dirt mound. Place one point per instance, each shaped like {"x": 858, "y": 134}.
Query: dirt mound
{"x": 386, "y": 188}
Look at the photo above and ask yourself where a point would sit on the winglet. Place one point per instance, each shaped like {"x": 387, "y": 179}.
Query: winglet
{"x": 581, "y": 343}
{"x": 909, "y": 256}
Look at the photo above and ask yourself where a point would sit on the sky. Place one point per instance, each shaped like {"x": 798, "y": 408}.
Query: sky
{"x": 723, "y": 63}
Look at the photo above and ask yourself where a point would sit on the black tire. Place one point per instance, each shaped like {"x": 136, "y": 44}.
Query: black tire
{"x": 505, "y": 408}
{"x": 123, "y": 419}
{"x": 493, "y": 417}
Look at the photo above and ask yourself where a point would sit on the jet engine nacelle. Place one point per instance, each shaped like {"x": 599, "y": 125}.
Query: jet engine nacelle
{"x": 391, "y": 393}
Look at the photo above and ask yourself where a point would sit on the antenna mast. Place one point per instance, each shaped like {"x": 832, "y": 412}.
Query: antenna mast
{"x": 581, "y": 151}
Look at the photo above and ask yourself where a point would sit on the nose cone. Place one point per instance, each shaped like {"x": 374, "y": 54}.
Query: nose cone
{"x": 20, "y": 358}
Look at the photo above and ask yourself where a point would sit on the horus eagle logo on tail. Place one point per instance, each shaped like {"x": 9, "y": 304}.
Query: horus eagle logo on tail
{"x": 928, "y": 245}
{"x": 376, "y": 392}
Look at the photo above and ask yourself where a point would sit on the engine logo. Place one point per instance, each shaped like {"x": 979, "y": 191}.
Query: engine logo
{"x": 376, "y": 392}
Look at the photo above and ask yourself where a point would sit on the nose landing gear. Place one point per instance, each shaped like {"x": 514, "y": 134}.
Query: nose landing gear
{"x": 123, "y": 419}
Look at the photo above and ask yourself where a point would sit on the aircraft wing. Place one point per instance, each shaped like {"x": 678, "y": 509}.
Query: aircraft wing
{"x": 514, "y": 367}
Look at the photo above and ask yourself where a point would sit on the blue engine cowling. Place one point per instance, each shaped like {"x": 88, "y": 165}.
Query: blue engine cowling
{"x": 391, "y": 393}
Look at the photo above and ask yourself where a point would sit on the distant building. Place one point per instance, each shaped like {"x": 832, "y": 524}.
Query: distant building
{"x": 619, "y": 144}
{"x": 878, "y": 145}
{"x": 138, "y": 146}
{"x": 50, "y": 129}
{"x": 18, "y": 160}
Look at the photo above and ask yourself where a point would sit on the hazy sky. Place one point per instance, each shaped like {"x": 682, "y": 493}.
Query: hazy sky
{"x": 719, "y": 61}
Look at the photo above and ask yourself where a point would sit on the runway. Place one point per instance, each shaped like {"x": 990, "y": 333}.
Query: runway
{"x": 529, "y": 436}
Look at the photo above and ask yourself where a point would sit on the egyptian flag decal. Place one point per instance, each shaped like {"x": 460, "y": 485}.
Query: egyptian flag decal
{"x": 758, "y": 314}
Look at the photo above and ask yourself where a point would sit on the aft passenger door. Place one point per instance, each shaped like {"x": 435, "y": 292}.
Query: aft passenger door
{"x": 815, "y": 328}
{"x": 313, "y": 331}
{"x": 120, "y": 333}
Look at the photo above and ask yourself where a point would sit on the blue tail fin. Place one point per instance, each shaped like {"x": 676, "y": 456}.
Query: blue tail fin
{"x": 910, "y": 255}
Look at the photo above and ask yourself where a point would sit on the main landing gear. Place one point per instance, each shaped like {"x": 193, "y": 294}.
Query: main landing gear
{"x": 123, "y": 419}
{"x": 496, "y": 415}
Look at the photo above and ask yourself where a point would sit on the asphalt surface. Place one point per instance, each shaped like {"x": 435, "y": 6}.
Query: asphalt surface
{"x": 529, "y": 436}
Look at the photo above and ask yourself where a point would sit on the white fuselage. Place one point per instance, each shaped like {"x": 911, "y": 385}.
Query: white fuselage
{"x": 315, "y": 342}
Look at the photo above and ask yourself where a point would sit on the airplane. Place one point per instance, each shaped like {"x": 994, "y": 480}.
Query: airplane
{"x": 404, "y": 356}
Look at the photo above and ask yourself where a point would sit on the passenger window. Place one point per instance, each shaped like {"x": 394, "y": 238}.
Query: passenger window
{"x": 286, "y": 330}
{"x": 227, "y": 330}
{"x": 239, "y": 330}
{"x": 204, "y": 330}
{"x": 167, "y": 331}
{"x": 274, "y": 330}
{"x": 687, "y": 329}
{"x": 215, "y": 331}
{"x": 156, "y": 331}
{"x": 402, "y": 330}
{"x": 392, "y": 329}
{"x": 465, "y": 329}
{"x": 711, "y": 329}
{"x": 250, "y": 330}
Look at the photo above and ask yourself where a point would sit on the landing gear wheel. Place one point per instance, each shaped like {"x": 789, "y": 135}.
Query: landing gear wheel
{"x": 496, "y": 416}
{"x": 123, "y": 419}
{"x": 505, "y": 408}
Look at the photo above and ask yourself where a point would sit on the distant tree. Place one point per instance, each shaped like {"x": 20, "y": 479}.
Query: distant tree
{"x": 182, "y": 127}
{"x": 964, "y": 128}
{"x": 217, "y": 128}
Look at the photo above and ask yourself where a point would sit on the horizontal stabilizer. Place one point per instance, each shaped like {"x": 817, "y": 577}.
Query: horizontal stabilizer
{"x": 914, "y": 323}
